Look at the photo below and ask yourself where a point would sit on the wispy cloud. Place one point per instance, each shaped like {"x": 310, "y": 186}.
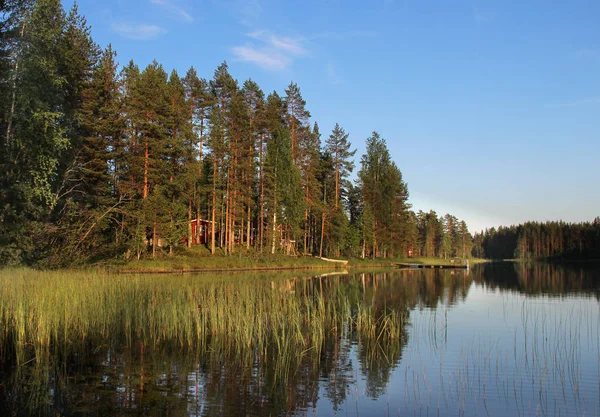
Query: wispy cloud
{"x": 276, "y": 52}
{"x": 138, "y": 31}
{"x": 283, "y": 43}
{"x": 173, "y": 9}
{"x": 270, "y": 51}
{"x": 582, "y": 102}
{"x": 262, "y": 58}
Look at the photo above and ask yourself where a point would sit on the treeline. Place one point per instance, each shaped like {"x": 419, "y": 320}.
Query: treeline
{"x": 441, "y": 237}
{"x": 99, "y": 162}
{"x": 533, "y": 240}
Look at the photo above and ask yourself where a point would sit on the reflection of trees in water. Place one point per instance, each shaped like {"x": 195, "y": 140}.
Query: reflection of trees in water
{"x": 102, "y": 380}
{"x": 383, "y": 294}
{"x": 336, "y": 368}
{"x": 409, "y": 289}
{"x": 535, "y": 278}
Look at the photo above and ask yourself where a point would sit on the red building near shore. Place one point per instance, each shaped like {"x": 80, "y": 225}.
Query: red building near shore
{"x": 201, "y": 231}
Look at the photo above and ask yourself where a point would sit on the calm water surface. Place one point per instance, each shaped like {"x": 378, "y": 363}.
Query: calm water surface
{"x": 499, "y": 340}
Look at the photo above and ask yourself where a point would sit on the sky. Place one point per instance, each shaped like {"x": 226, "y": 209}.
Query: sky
{"x": 490, "y": 109}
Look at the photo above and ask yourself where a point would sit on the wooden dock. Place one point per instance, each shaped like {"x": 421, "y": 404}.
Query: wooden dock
{"x": 337, "y": 261}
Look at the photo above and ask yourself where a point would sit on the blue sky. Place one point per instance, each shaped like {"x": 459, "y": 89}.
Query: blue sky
{"x": 491, "y": 109}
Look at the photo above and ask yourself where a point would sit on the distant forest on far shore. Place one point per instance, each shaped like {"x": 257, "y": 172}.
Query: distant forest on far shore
{"x": 533, "y": 240}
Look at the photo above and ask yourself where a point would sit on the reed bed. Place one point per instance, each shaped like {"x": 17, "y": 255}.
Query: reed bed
{"x": 44, "y": 313}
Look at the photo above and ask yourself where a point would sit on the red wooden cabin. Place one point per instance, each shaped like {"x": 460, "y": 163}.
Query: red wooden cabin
{"x": 201, "y": 231}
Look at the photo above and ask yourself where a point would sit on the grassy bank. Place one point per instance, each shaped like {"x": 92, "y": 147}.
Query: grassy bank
{"x": 200, "y": 259}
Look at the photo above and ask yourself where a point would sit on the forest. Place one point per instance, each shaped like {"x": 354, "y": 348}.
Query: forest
{"x": 107, "y": 161}
{"x": 534, "y": 240}
{"x": 101, "y": 161}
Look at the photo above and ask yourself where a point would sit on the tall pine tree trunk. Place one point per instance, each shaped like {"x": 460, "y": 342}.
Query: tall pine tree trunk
{"x": 305, "y": 231}
{"x": 214, "y": 207}
{"x": 248, "y": 227}
{"x": 190, "y": 237}
{"x": 146, "y": 167}
{"x": 154, "y": 240}
{"x": 233, "y": 219}
{"x": 200, "y": 161}
{"x": 261, "y": 223}
{"x": 306, "y": 201}
{"x": 322, "y": 234}
{"x": 227, "y": 212}
{"x": 274, "y": 231}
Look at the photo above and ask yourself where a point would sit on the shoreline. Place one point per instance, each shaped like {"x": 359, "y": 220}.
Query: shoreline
{"x": 248, "y": 264}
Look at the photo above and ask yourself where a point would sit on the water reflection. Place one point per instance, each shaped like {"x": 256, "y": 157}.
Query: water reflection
{"x": 537, "y": 278}
{"x": 384, "y": 354}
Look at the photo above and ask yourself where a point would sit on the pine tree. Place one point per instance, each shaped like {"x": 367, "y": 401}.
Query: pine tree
{"x": 103, "y": 126}
{"x": 254, "y": 99}
{"x": 297, "y": 116}
{"x": 199, "y": 101}
{"x": 309, "y": 144}
{"x": 97, "y": 162}
{"x": 282, "y": 177}
{"x": 151, "y": 109}
{"x": 222, "y": 138}
{"x": 338, "y": 147}
{"x": 384, "y": 196}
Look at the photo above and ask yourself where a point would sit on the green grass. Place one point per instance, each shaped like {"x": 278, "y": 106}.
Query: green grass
{"x": 199, "y": 258}
{"x": 357, "y": 262}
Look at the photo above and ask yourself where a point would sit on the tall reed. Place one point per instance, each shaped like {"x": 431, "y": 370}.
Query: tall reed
{"x": 44, "y": 312}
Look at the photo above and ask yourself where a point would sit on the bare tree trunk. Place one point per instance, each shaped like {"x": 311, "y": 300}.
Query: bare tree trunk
{"x": 323, "y": 220}
{"x": 248, "y": 227}
{"x": 214, "y": 207}
{"x": 233, "y": 218}
{"x": 146, "y": 167}
{"x": 305, "y": 231}
{"x": 227, "y": 212}
{"x": 363, "y": 248}
{"x": 154, "y": 240}
{"x": 261, "y": 223}
{"x": 306, "y": 201}
{"x": 190, "y": 237}
{"x": 322, "y": 234}
{"x": 274, "y": 231}
{"x": 222, "y": 225}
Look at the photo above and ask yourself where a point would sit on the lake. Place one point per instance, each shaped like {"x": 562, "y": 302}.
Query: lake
{"x": 501, "y": 339}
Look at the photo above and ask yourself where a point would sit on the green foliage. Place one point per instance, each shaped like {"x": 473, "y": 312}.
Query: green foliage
{"x": 384, "y": 198}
